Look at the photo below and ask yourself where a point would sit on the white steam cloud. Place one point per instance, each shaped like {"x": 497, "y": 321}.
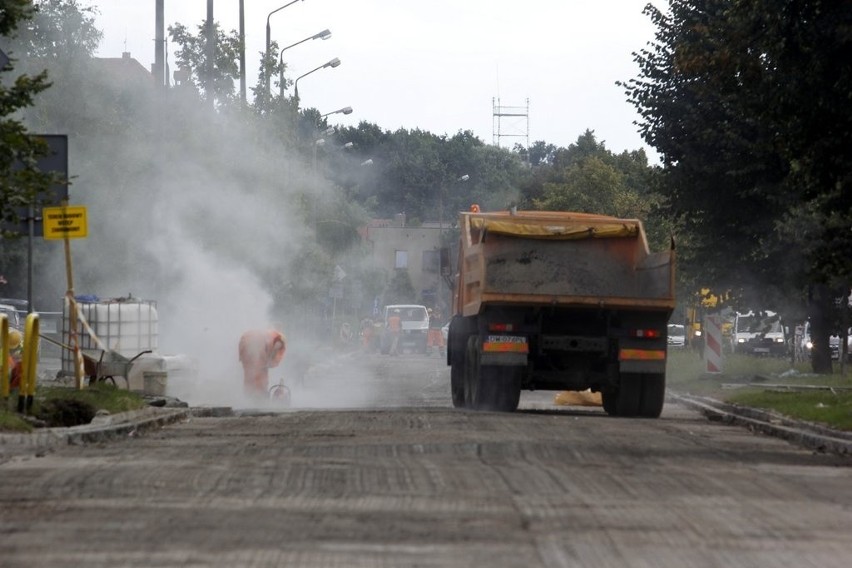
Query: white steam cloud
{"x": 198, "y": 213}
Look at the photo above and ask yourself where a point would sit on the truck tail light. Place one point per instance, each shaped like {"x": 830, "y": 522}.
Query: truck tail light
{"x": 501, "y": 327}
{"x": 649, "y": 333}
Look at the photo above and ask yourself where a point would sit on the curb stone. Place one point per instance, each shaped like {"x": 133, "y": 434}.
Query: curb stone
{"x": 807, "y": 434}
{"x": 99, "y": 429}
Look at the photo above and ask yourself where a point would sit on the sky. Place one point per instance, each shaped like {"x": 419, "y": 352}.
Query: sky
{"x": 442, "y": 66}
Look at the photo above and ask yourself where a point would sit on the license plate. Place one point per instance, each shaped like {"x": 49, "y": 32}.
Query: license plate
{"x": 761, "y": 350}
{"x": 506, "y": 339}
{"x": 505, "y": 343}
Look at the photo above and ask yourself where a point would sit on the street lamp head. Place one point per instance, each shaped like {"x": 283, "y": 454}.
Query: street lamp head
{"x": 333, "y": 63}
{"x": 325, "y": 34}
{"x": 344, "y": 110}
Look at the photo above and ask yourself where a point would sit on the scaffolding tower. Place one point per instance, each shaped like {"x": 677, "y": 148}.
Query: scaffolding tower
{"x": 510, "y": 122}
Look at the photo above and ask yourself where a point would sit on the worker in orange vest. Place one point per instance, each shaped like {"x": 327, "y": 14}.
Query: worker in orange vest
{"x": 435, "y": 338}
{"x": 260, "y": 350}
{"x": 394, "y": 325}
{"x": 14, "y": 350}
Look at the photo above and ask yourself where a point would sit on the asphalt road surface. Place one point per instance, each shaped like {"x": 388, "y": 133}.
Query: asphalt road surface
{"x": 371, "y": 467}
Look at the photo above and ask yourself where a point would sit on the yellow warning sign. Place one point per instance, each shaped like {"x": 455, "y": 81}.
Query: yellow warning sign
{"x": 62, "y": 222}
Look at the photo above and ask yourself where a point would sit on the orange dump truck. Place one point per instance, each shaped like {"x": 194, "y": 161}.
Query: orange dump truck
{"x": 559, "y": 301}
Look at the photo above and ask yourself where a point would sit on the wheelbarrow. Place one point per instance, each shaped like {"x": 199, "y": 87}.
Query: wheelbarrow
{"x": 105, "y": 365}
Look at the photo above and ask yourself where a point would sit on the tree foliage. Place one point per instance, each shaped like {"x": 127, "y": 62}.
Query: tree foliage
{"x": 59, "y": 29}
{"x": 192, "y": 57}
{"x": 588, "y": 178}
{"x": 747, "y": 104}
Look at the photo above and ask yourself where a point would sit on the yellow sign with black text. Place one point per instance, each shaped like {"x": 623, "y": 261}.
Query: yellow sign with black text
{"x": 65, "y": 222}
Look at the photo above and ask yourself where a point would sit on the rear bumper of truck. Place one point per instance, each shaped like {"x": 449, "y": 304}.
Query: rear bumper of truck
{"x": 634, "y": 356}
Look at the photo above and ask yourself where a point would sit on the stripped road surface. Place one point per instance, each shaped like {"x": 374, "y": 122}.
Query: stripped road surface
{"x": 372, "y": 467}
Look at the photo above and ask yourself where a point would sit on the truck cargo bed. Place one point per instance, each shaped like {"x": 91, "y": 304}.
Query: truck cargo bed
{"x": 516, "y": 261}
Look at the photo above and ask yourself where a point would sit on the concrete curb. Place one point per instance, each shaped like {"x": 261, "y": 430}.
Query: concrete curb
{"x": 812, "y": 436}
{"x": 100, "y": 429}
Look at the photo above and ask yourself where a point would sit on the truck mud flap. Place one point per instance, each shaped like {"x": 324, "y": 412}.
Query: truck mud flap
{"x": 642, "y": 360}
{"x": 504, "y": 359}
{"x": 642, "y": 367}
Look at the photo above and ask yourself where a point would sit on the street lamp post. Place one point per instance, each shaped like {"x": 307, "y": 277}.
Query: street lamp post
{"x": 319, "y": 142}
{"x": 333, "y": 63}
{"x": 325, "y": 34}
{"x": 344, "y": 110}
{"x": 269, "y": 40}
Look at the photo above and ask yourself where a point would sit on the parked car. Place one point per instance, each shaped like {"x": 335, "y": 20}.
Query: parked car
{"x": 676, "y": 336}
{"x": 12, "y": 315}
{"x": 834, "y": 346}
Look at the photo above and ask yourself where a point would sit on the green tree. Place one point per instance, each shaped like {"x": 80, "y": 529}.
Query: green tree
{"x": 400, "y": 290}
{"x": 587, "y": 177}
{"x": 192, "y": 57}
{"x": 539, "y": 153}
{"x": 21, "y": 183}
{"x": 591, "y": 186}
{"x": 59, "y": 29}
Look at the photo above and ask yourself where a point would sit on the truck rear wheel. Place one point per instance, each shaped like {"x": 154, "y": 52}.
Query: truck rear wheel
{"x": 629, "y": 395}
{"x": 457, "y": 380}
{"x": 490, "y": 387}
{"x": 626, "y": 400}
{"x": 500, "y": 388}
{"x": 471, "y": 370}
{"x": 653, "y": 395}
{"x": 638, "y": 395}
{"x": 608, "y": 400}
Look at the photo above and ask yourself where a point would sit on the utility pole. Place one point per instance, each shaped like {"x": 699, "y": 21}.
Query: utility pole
{"x": 211, "y": 52}
{"x": 243, "y": 52}
{"x": 160, "y": 45}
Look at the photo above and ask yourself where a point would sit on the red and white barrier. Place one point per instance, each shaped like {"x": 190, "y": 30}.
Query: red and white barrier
{"x": 713, "y": 344}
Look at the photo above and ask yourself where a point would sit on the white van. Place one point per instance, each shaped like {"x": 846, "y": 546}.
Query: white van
{"x": 759, "y": 333}
{"x": 415, "y": 327}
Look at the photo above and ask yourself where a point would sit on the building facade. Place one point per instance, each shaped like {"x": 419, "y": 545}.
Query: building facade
{"x": 417, "y": 250}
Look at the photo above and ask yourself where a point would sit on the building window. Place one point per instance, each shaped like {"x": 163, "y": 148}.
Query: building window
{"x": 431, "y": 261}
{"x": 401, "y": 260}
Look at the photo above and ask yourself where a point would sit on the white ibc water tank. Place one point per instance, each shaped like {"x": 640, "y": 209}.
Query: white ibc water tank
{"x": 127, "y": 326}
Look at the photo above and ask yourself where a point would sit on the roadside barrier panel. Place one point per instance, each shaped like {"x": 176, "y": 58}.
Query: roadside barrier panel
{"x": 713, "y": 346}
